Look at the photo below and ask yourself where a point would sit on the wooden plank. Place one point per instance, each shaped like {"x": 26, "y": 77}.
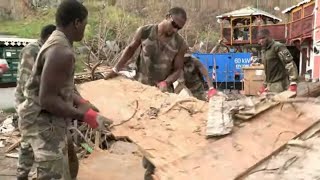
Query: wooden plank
{"x": 174, "y": 141}
{"x": 220, "y": 120}
{"x": 101, "y": 165}
{"x": 226, "y": 158}
{"x": 309, "y": 90}
{"x": 13, "y": 146}
{"x": 281, "y": 148}
{"x": 265, "y": 105}
{"x": 163, "y": 135}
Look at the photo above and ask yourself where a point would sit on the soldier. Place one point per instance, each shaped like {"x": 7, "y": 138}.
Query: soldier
{"x": 220, "y": 47}
{"x": 193, "y": 73}
{"x": 162, "y": 51}
{"x": 28, "y": 56}
{"x": 50, "y": 98}
{"x": 280, "y": 70}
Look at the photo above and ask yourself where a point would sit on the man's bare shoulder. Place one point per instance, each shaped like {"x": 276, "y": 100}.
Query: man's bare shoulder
{"x": 59, "y": 52}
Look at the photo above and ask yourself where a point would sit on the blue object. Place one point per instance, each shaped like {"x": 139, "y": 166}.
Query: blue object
{"x": 228, "y": 66}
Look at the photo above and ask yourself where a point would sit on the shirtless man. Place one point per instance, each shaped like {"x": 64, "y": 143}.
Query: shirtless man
{"x": 50, "y": 98}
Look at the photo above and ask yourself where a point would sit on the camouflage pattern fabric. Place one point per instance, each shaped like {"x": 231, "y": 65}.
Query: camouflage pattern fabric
{"x": 28, "y": 56}
{"x": 279, "y": 86}
{"x": 155, "y": 62}
{"x": 46, "y": 132}
{"x": 279, "y": 65}
{"x": 193, "y": 78}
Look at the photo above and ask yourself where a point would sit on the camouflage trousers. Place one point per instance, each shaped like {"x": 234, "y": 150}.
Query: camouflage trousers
{"x": 278, "y": 86}
{"x": 51, "y": 151}
{"x": 199, "y": 92}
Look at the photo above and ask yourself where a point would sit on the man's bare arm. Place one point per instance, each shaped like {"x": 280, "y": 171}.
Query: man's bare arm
{"x": 177, "y": 66}
{"x": 57, "y": 70}
{"x": 129, "y": 50}
{"x": 204, "y": 72}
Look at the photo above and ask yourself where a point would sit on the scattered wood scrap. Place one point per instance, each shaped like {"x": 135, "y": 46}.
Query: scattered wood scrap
{"x": 264, "y": 105}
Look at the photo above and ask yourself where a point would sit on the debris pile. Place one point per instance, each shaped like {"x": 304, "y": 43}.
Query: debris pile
{"x": 10, "y": 136}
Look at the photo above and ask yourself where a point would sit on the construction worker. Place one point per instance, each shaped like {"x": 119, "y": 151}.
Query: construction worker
{"x": 161, "y": 57}
{"x": 28, "y": 56}
{"x": 193, "y": 73}
{"x": 280, "y": 70}
{"x": 220, "y": 47}
{"x": 50, "y": 98}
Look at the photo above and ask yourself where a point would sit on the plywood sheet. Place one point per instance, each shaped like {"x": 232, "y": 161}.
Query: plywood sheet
{"x": 104, "y": 165}
{"x": 162, "y": 138}
{"x": 232, "y": 155}
{"x": 175, "y": 141}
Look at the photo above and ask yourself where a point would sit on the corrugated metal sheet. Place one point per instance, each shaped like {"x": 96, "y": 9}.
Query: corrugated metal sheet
{"x": 289, "y": 9}
{"x": 248, "y": 11}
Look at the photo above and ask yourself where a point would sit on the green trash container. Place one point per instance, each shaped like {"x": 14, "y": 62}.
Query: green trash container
{"x": 11, "y": 52}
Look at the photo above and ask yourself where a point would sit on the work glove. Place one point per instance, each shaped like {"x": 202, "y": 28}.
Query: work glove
{"x": 112, "y": 74}
{"x": 262, "y": 90}
{"x": 163, "y": 86}
{"x": 212, "y": 92}
{"x": 86, "y": 103}
{"x": 293, "y": 87}
{"x": 95, "y": 120}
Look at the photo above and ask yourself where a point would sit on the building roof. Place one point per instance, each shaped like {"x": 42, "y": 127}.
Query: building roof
{"x": 289, "y": 9}
{"x": 248, "y": 11}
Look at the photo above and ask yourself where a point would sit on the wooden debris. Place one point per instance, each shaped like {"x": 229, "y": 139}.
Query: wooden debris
{"x": 12, "y": 155}
{"x": 177, "y": 103}
{"x": 265, "y": 105}
{"x": 13, "y": 146}
{"x": 97, "y": 140}
{"x": 312, "y": 90}
{"x": 124, "y": 121}
{"x": 220, "y": 120}
{"x": 300, "y": 143}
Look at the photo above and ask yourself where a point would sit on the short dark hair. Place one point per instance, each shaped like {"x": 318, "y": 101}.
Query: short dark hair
{"x": 70, "y": 10}
{"x": 178, "y": 11}
{"x": 264, "y": 32}
{"x": 47, "y": 30}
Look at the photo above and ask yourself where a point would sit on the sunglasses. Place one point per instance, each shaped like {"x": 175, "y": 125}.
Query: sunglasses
{"x": 174, "y": 24}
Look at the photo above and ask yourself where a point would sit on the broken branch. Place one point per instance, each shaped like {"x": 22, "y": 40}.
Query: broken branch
{"x": 124, "y": 121}
{"x": 177, "y": 103}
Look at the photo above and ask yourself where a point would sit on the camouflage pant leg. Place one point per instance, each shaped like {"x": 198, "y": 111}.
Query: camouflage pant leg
{"x": 50, "y": 153}
{"x": 149, "y": 168}
{"x": 73, "y": 159}
{"x": 25, "y": 160}
{"x": 199, "y": 93}
{"x": 279, "y": 86}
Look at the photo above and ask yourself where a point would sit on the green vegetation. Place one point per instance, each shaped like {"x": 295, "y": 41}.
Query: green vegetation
{"x": 9, "y": 110}
{"x": 28, "y": 27}
{"x": 117, "y": 23}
